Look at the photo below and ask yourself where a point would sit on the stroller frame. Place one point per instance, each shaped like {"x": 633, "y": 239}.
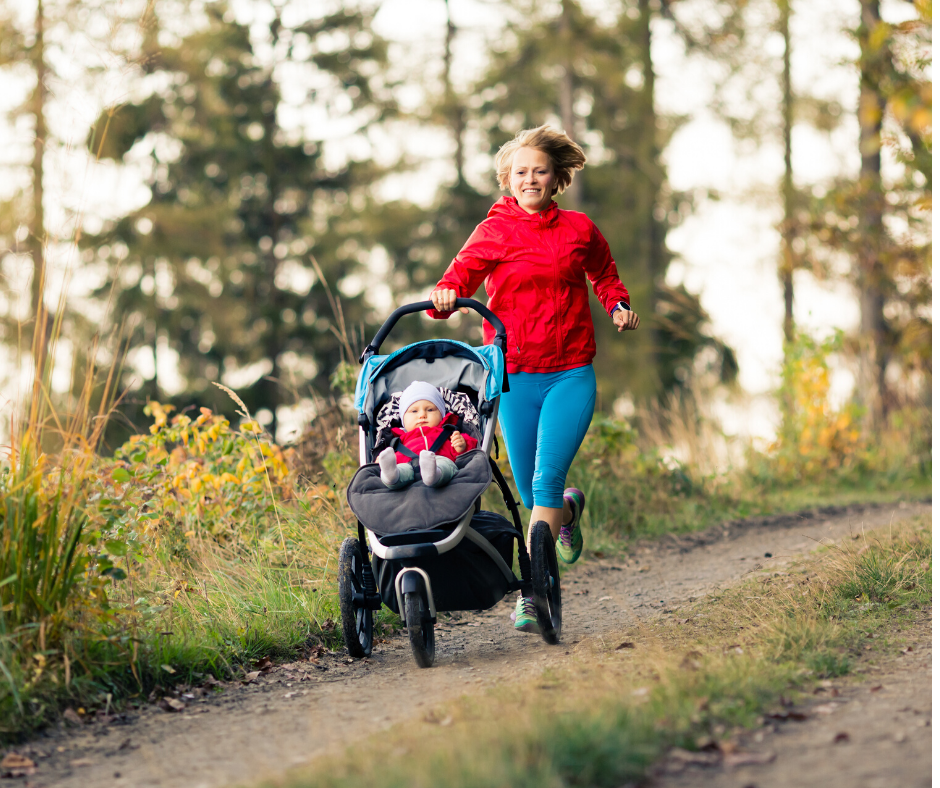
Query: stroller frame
{"x": 359, "y": 595}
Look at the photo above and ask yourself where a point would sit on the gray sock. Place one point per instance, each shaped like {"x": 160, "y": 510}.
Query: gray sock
{"x": 427, "y": 462}
{"x": 389, "y": 466}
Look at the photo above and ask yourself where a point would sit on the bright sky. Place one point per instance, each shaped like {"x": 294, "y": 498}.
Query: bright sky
{"x": 726, "y": 251}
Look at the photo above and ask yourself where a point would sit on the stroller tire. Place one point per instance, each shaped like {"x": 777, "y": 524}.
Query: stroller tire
{"x": 420, "y": 628}
{"x": 356, "y": 620}
{"x": 546, "y": 583}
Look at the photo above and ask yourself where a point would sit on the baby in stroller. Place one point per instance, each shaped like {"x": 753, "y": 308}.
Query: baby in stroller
{"x": 430, "y": 430}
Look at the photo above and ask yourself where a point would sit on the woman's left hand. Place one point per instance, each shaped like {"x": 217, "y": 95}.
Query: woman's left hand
{"x": 626, "y": 321}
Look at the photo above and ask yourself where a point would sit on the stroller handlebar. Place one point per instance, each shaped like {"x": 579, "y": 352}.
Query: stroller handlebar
{"x": 420, "y": 306}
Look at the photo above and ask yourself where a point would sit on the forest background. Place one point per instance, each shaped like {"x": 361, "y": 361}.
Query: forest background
{"x": 237, "y": 194}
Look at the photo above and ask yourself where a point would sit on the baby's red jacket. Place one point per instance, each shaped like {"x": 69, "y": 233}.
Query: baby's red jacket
{"x": 421, "y": 438}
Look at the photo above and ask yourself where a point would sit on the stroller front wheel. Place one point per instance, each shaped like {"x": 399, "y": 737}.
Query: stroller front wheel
{"x": 420, "y": 628}
{"x": 546, "y": 583}
{"x": 356, "y": 617}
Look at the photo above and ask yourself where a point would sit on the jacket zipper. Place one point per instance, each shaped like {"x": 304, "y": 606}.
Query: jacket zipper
{"x": 551, "y": 250}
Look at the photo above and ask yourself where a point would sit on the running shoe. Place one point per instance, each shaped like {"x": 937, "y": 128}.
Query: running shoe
{"x": 523, "y": 617}
{"x": 570, "y": 542}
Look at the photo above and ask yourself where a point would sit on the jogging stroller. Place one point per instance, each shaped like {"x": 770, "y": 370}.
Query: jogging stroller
{"x": 435, "y": 549}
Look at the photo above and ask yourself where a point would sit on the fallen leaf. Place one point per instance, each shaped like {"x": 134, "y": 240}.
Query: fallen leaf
{"x": 290, "y": 694}
{"x": 748, "y": 758}
{"x": 706, "y": 743}
{"x": 796, "y": 716}
{"x": 250, "y": 677}
{"x": 876, "y": 688}
{"x": 625, "y": 644}
{"x": 127, "y": 745}
{"x": 688, "y": 758}
{"x": 643, "y": 568}
{"x": 264, "y": 665}
{"x": 71, "y": 717}
{"x": 604, "y": 598}
{"x": 826, "y": 708}
{"x": 171, "y": 704}
{"x": 16, "y": 765}
{"x": 728, "y": 746}
{"x": 907, "y": 650}
{"x": 841, "y": 736}
{"x": 79, "y": 762}
{"x": 168, "y": 668}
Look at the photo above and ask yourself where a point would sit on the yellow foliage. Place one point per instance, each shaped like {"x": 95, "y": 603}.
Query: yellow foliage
{"x": 815, "y": 437}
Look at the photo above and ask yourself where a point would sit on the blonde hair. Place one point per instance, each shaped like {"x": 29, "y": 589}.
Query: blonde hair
{"x": 564, "y": 153}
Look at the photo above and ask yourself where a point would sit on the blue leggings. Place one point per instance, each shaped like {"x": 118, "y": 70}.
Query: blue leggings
{"x": 544, "y": 417}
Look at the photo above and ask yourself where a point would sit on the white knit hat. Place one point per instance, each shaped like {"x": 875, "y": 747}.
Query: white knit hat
{"x": 417, "y": 391}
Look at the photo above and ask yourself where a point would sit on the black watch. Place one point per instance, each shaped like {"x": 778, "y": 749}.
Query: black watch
{"x": 624, "y": 305}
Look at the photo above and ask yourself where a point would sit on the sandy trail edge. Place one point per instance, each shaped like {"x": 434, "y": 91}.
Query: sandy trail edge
{"x": 874, "y": 733}
{"x": 300, "y": 710}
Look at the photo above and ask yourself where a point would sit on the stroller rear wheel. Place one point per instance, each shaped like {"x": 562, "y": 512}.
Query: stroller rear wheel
{"x": 420, "y": 628}
{"x": 546, "y": 582}
{"x": 356, "y": 617}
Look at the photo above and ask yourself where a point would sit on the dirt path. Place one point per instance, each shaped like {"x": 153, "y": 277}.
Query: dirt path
{"x": 873, "y": 733}
{"x": 301, "y": 710}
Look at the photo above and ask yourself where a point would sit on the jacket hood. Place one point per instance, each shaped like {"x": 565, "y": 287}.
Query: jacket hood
{"x": 509, "y": 208}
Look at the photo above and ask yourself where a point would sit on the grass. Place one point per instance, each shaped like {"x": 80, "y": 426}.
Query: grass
{"x": 606, "y": 717}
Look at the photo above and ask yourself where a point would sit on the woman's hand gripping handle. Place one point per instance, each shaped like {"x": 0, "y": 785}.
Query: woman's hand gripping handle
{"x": 446, "y": 300}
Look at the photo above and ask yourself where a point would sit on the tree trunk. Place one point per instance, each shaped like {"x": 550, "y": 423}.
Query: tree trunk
{"x": 650, "y": 246}
{"x": 154, "y": 329}
{"x": 453, "y": 108}
{"x": 37, "y": 233}
{"x": 788, "y": 229}
{"x": 873, "y": 329}
{"x": 566, "y": 97}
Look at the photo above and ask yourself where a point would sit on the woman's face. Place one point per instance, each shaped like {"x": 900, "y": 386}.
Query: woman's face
{"x": 532, "y": 179}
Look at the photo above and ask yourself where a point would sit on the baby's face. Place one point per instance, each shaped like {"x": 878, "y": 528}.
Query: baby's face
{"x": 421, "y": 414}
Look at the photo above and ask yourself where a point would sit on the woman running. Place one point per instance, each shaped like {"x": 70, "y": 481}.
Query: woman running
{"x": 533, "y": 258}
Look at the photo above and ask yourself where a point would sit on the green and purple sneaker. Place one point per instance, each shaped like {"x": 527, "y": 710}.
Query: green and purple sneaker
{"x": 523, "y": 617}
{"x": 570, "y": 542}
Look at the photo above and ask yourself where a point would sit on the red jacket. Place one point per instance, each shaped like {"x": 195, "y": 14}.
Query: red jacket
{"x": 534, "y": 267}
{"x": 421, "y": 438}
